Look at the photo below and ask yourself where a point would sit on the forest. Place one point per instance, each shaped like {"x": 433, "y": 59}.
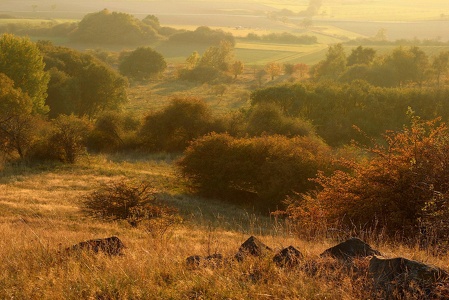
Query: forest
{"x": 109, "y": 133}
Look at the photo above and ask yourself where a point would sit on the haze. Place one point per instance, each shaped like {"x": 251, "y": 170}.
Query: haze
{"x": 424, "y": 19}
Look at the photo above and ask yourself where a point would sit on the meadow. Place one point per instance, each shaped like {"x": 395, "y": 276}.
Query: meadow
{"x": 41, "y": 215}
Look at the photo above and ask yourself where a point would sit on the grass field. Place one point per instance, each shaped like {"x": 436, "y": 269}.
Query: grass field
{"x": 40, "y": 215}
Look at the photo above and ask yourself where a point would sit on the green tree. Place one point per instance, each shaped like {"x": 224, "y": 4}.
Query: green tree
{"x": 80, "y": 83}
{"x": 361, "y": 56}
{"x": 17, "y": 125}
{"x": 113, "y": 28}
{"x": 22, "y": 62}
{"x": 172, "y": 128}
{"x": 333, "y": 66}
{"x": 69, "y": 137}
{"x": 408, "y": 65}
{"x": 237, "y": 68}
{"x": 440, "y": 65}
{"x": 142, "y": 63}
{"x": 218, "y": 57}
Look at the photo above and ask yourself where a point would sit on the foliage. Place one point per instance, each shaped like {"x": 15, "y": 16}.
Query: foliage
{"x": 141, "y": 63}
{"x": 17, "y": 131}
{"x": 334, "y": 108}
{"x": 269, "y": 167}
{"x": 273, "y": 69}
{"x": 22, "y": 62}
{"x": 113, "y": 131}
{"x": 218, "y": 57}
{"x": 203, "y": 35}
{"x": 80, "y": 83}
{"x": 172, "y": 128}
{"x": 284, "y": 38}
{"x": 269, "y": 119}
{"x": 333, "y": 65}
{"x": 237, "y": 68}
{"x": 69, "y": 137}
{"x": 392, "y": 189}
{"x": 105, "y": 27}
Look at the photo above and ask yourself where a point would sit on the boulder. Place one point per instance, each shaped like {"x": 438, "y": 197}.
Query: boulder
{"x": 401, "y": 271}
{"x": 351, "y": 248}
{"x": 288, "y": 257}
{"x": 111, "y": 246}
{"x": 252, "y": 246}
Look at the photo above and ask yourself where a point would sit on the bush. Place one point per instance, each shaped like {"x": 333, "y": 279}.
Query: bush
{"x": 133, "y": 202}
{"x": 141, "y": 63}
{"x": 114, "y": 131}
{"x": 398, "y": 189}
{"x": 270, "y": 167}
{"x": 69, "y": 137}
{"x": 270, "y": 119}
{"x": 172, "y": 128}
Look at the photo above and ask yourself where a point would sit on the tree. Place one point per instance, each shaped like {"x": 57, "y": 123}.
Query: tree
{"x": 303, "y": 69}
{"x": 408, "y": 65}
{"x": 69, "y": 137}
{"x": 289, "y": 68}
{"x": 333, "y": 66}
{"x": 22, "y": 62}
{"x": 141, "y": 63}
{"x": 237, "y": 68}
{"x": 113, "y": 28}
{"x": 440, "y": 65}
{"x": 218, "y": 57}
{"x": 361, "y": 56}
{"x": 80, "y": 83}
{"x": 172, "y": 128}
{"x": 17, "y": 131}
{"x": 273, "y": 69}
{"x": 193, "y": 60}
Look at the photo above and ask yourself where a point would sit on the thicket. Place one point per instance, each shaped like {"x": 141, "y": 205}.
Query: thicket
{"x": 334, "y": 108}
{"x": 284, "y": 37}
{"x": 264, "y": 169}
{"x": 202, "y": 35}
{"x": 401, "y": 187}
{"x": 80, "y": 84}
{"x": 105, "y": 27}
{"x": 404, "y": 66}
{"x": 172, "y": 128}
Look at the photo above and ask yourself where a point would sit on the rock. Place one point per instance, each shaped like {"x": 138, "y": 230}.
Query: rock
{"x": 352, "y": 248}
{"x": 398, "y": 272}
{"x": 252, "y": 246}
{"x": 288, "y": 257}
{"x": 112, "y": 246}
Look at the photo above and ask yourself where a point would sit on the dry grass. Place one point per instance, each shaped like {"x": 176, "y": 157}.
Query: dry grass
{"x": 40, "y": 216}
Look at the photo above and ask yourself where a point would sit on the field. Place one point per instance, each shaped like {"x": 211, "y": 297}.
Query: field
{"x": 41, "y": 215}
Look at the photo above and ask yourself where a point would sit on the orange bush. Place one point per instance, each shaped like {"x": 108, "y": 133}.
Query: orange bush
{"x": 391, "y": 188}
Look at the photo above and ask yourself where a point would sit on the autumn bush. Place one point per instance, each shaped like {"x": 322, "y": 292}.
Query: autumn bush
{"x": 269, "y": 167}
{"x": 401, "y": 185}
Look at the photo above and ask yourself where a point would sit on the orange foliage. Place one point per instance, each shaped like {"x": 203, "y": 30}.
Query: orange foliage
{"x": 390, "y": 189}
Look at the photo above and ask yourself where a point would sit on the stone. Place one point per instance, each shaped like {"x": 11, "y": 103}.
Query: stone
{"x": 252, "y": 246}
{"x": 351, "y": 248}
{"x": 385, "y": 271}
{"x": 288, "y": 257}
{"x": 112, "y": 246}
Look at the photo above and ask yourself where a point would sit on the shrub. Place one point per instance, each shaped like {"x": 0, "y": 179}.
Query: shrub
{"x": 141, "y": 63}
{"x": 399, "y": 188}
{"x": 69, "y": 137}
{"x": 172, "y": 128}
{"x": 133, "y": 202}
{"x": 270, "y": 167}
{"x": 270, "y": 119}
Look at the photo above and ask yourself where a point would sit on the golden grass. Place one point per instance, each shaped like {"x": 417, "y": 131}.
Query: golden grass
{"x": 40, "y": 216}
